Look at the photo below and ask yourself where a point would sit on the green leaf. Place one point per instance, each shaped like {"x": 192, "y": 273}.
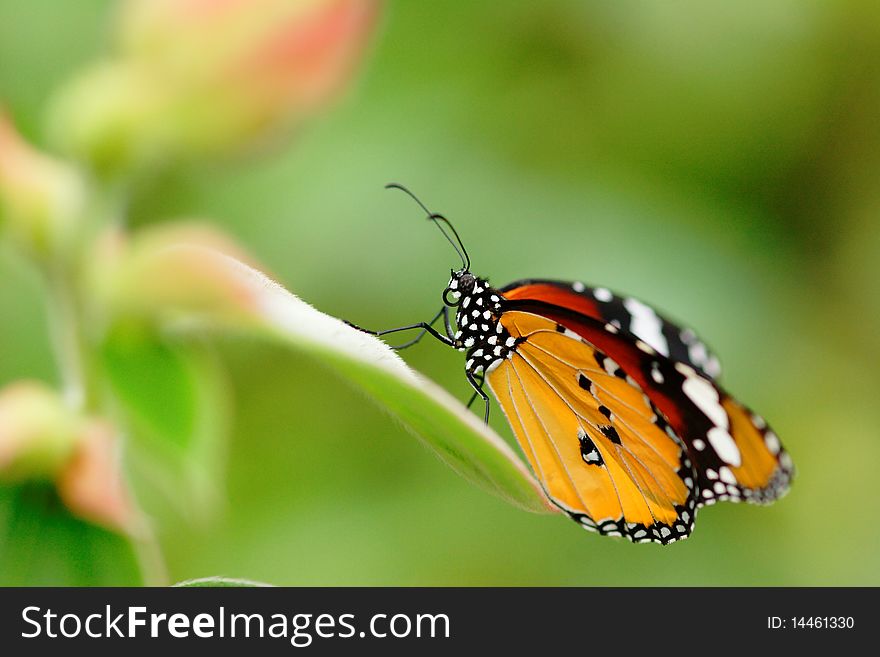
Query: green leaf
{"x": 220, "y": 582}
{"x": 172, "y": 397}
{"x": 42, "y": 544}
{"x": 246, "y": 299}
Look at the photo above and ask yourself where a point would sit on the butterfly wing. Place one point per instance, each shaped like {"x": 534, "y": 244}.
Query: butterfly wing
{"x": 603, "y": 452}
{"x": 736, "y": 456}
{"x": 624, "y": 313}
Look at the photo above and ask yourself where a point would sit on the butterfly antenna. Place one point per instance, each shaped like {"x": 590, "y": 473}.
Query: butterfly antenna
{"x": 437, "y": 218}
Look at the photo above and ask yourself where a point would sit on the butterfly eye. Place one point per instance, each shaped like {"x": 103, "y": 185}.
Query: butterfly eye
{"x": 466, "y": 282}
{"x": 451, "y": 297}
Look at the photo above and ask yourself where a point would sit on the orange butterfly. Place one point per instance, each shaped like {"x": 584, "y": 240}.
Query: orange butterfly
{"x": 617, "y": 409}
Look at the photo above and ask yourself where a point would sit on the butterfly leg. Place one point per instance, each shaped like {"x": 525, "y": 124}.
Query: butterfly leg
{"x": 474, "y": 396}
{"x": 449, "y": 332}
{"x": 478, "y": 390}
{"x": 444, "y": 312}
{"x": 425, "y": 326}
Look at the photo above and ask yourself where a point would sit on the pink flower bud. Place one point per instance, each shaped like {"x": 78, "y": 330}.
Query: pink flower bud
{"x": 42, "y": 439}
{"x": 91, "y": 483}
{"x": 207, "y": 77}
{"x": 41, "y": 198}
{"x": 38, "y": 433}
{"x": 170, "y": 271}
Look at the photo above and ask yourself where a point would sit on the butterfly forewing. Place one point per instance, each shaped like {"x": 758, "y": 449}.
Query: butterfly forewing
{"x": 601, "y": 449}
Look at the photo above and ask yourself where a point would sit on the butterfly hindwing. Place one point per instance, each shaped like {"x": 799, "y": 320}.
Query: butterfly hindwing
{"x": 603, "y": 452}
{"x": 736, "y": 456}
{"x": 624, "y": 313}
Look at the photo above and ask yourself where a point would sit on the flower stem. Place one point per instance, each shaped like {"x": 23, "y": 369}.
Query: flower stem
{"x": 71, "y": 350}
{"x": 151, "y": 560}
{"x": 75, "y": 351}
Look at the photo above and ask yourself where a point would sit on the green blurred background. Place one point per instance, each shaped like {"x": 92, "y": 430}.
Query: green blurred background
{"x": 718, "y": 159}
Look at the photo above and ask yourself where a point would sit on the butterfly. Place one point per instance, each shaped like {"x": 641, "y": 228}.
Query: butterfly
{"x": 617, "y": 409}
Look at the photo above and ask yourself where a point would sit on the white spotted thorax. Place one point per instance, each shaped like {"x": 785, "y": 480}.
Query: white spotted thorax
{"x": 479, "y": 333}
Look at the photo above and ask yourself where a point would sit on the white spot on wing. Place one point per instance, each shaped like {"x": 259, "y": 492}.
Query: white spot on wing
{"x": 698, "y": 354}
{"x": 726, "y": 475}
{"x": 646, "y": 325}
{"x": 712, "y": 367}
{"x": 687, "y": 370}
{"x": 643, "y": 346}
{"x": 772, "y": 443}
{"x": 724, "y": 445}
{"x": 705, "y": 396}
{"x": 656, "y": 374}
{"x": 603, "y": 294}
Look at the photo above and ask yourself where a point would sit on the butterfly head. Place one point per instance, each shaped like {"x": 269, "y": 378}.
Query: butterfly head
{"x": 461, "y": 284}
{"x": 478, "y": 305}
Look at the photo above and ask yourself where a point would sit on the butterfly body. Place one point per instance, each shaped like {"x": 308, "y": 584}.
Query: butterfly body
{"x": 617, "y": 408}
{"x": 480, "y": 334}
